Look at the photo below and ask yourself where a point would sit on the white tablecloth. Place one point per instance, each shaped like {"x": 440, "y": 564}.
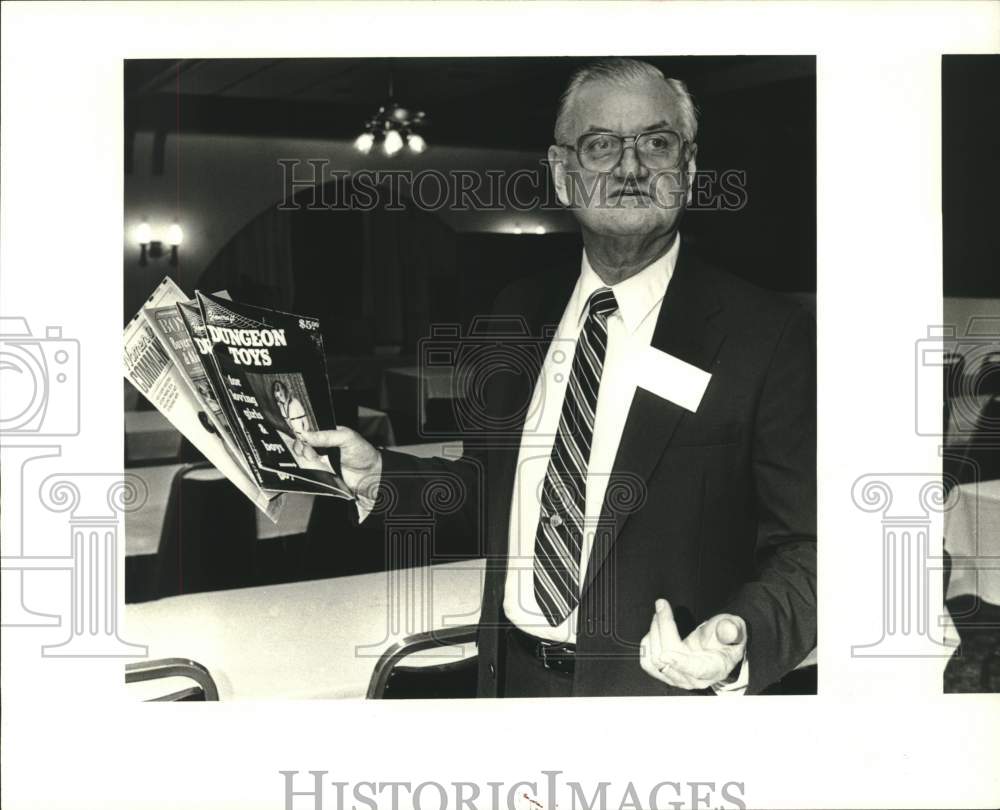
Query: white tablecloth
{"x": 142, "y": 527}
{"x": 972, "y": 539}
{"x": 149, "y": 436}
{"x": 318, "y": 639}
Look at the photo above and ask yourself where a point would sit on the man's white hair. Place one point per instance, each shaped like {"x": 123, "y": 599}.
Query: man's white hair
{"x": 624, "y": 71}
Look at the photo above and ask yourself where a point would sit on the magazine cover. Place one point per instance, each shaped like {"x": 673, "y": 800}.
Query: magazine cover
{"x": 195, "y": 324}
{"x": 148, "y": 366}
{"x": 190, "y": 315}
{"x": 272, "y": 369}
{"x": 168, "y": 324}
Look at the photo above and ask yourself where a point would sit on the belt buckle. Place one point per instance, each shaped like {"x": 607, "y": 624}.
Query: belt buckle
{"x": 557, "y": 651}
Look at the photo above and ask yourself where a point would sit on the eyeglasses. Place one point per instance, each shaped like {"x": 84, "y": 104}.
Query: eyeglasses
{"x": 601, "y": 151}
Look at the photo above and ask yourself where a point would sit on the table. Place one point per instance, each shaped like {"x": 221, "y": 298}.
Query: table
{"x": 301, "y": 640}
{"x": 142, "y": 527}
{"x": 407, "y": 389}
{"x": 972, "y": 540}
{"x": 149, "y": 436}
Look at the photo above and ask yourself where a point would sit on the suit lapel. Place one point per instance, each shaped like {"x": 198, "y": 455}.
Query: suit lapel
{"x": 684, "y": 330}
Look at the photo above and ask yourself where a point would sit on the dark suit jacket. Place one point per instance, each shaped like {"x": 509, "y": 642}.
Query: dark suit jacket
{"x": 714, "y": 511}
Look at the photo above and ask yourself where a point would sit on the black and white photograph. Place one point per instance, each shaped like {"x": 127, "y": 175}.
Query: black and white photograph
{"x": 405, "y": 404}
{"x": 969, "y": 351}
{"x": 569, "y": 327}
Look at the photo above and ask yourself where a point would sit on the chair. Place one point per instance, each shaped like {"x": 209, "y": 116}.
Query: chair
{"x": 391, "y": 680}
{"x": 452, "y": 679}
{"x": 205, "y": 688}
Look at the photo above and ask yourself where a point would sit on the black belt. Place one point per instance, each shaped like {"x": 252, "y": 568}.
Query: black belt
{"x": 553, "y": 655}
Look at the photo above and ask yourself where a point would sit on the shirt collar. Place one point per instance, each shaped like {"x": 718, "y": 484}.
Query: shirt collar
{"x": 637, "y": 296}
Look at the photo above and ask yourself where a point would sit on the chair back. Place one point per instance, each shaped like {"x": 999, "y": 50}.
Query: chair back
{"x": 204, "y": 688}
{"x": 389, "y": 666}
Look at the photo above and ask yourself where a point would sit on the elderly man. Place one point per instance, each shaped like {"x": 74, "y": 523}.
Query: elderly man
{"x": 650, "y": 518}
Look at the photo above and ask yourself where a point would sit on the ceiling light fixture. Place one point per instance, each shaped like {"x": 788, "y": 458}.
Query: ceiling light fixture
{"x": 394, "y": 127}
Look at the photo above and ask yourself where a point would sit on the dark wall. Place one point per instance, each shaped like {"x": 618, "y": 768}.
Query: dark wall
{"x": 450, "y": 278}
{"x": 970, "y": 166}
{"x": 769, "y": 134}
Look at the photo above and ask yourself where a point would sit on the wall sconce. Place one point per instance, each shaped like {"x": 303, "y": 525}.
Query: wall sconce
{"x": 537, "y": 230}
{"x": 150, "y": 248}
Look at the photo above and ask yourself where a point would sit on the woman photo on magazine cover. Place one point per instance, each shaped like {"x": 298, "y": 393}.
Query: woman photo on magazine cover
{"x": 291, "y": 409}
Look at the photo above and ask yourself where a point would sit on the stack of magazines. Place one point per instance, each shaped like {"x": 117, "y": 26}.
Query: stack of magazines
{"x": 242, "y": 384}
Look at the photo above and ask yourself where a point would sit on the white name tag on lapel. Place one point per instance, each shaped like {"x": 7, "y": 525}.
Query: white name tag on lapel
{"x": 671, "y": 378}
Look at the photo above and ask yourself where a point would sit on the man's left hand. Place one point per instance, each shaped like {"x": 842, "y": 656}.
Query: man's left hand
{"x": 705, "y": 658}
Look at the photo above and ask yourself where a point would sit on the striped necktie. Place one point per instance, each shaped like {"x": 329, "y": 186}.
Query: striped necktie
{"x": 559, "y": 537}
